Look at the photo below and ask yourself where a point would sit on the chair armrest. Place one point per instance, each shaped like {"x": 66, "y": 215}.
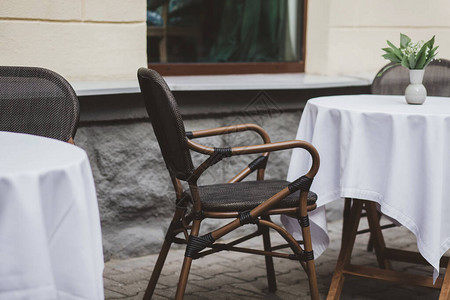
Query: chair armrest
{"x": 233, "y": 129}
{"x": 270, "y": 147}
{"x": 229, "y": 129}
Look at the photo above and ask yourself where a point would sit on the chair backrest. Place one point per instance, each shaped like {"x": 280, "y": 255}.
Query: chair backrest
{"x": 37, "y": 101}
{"x": 395, "y": 80}
{"x": 167, "y": 123}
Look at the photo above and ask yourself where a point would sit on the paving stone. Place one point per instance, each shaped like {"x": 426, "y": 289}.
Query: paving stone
{"x": 110, "y": 271}
{"x": 113, "y": 295}
{"x": 129, "y": 290}
{"x": 228, "y": 293}
{"x": 211, "y": 270}
{"x": 172, "y": 279}
{"x": 230, "y": 275}
{"x": 130, "y": 277}
{"x": 217, "y": 282}
{"x": 191, "y": 289}
{"x": 131, "y": 264}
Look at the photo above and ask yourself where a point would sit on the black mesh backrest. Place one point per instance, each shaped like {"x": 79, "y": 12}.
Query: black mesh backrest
{"x": 395, "y": 80}
{"x": 167, "y": 123}
{"x": 37, "y": 101}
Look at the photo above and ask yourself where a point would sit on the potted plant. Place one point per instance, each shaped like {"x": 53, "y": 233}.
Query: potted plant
{"x": 415, "y": 57}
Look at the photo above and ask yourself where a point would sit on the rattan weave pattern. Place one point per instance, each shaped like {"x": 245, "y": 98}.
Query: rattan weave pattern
{"x": 37, "y": 101}
{"x": 246, "y": 195}
{"x": 167, "y": 123}
{"x": 395, "y": 80}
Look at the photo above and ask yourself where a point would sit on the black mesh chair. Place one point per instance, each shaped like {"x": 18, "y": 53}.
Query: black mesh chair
{"x": 247, "y": 202}
{"x": 394, "y": 82}
{"x": 37, "y": 101}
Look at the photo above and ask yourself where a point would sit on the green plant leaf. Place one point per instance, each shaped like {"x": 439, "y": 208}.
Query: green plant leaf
{"x": 391, "y": 57}
{"x": 404, "y": 40}
{"x": 412, "y": 61}
{"x": 431, "y": 42}
{"x": 421, "y": 59}
{"x": 405, "y": 62}
{"x": 432, "y": 54}
{"x": 422, "y": 50}
{"x": 396, "y": 51}
{"x": 388, "y": 50}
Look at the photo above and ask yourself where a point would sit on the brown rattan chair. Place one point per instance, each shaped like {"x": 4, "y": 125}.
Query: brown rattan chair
{"x": 394, "y": 81}
{"x": 247, "y": 202}
{"x": 37, "y": 101}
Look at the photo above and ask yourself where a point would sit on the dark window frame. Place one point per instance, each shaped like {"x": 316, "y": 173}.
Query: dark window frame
{"x": 179, "y": 69}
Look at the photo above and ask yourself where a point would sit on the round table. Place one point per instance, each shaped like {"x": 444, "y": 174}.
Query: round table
{"x": 50, "y": 237}
{"x": 379, "y": 148}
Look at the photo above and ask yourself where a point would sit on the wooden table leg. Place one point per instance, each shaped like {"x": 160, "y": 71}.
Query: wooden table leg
{"x": 352, "y": 214}
{"x": 376, "y": 234}
{"x": 350, "y": 227}
{"x": 445, "y": 289}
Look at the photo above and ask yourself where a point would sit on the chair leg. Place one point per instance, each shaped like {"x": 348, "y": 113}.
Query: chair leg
{"x": 312, "y": 280}
{"x": 157, "y": 269}
{"x": 179, "y": 212}
{"x": 182, "y": 282}
{"x": 271, "y": 280}
{"x": 311, "y": 267}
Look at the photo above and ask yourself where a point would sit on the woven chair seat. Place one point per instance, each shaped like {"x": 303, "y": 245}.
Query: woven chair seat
{"x": 246, "y": 195}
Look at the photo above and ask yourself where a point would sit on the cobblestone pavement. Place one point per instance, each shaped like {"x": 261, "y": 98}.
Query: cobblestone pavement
{"x": 231, "y": 275}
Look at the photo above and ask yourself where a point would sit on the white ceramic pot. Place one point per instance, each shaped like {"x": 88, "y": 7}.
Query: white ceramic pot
{"x": 415, "y": 92}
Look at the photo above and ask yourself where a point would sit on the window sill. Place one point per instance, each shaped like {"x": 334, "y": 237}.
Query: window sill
{"x": 121, "y": 100}
{"x": 287, "y": 81}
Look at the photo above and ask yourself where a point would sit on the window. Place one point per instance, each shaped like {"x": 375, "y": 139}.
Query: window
{"x": 225, "y": 36}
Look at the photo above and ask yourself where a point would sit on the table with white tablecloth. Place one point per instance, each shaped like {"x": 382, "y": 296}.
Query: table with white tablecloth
{"x": 50, "y": 237}
{"x": 379, "y": 148}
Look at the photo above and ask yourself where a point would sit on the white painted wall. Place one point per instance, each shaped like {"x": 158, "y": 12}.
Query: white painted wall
{"x": 83, "y": 40}
{"x": 346, "y": 36}
{"x": 97, "y": 40}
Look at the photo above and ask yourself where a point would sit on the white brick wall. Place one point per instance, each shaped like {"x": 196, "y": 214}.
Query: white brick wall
{"x": 115, "y": 10}
{"x": 346, "y": 36}
{"x": 42, "y": 9}
{"x": 83, "y": 40}
{"x": 106, "y": 39}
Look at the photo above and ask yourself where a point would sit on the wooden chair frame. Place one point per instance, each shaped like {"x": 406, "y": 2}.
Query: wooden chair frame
{"x": 189, "y": 223}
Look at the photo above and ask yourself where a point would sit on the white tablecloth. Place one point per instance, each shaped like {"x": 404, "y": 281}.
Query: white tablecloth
{"x": 50, "y": 238}
{"x": 379, "y": 148}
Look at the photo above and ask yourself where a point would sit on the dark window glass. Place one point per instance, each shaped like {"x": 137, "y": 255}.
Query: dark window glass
{"x": 224, "y": 31}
